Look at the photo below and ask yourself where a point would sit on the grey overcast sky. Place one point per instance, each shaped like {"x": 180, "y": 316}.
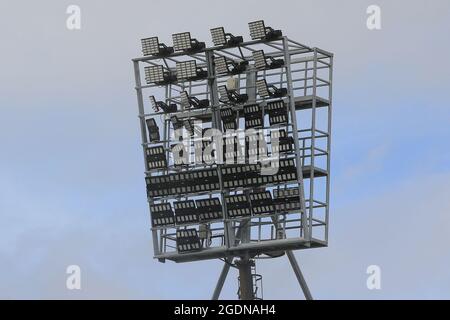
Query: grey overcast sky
{"x": 71, "y": 175}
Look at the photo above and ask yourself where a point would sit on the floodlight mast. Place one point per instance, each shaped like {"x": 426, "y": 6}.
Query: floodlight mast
{"x": 270, "y": 215}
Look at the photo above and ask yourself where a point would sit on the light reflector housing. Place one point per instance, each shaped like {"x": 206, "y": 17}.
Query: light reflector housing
{"x": 156, "y": 157}
{"x": 162, "y": 214}
{"x": 188, "y": 240}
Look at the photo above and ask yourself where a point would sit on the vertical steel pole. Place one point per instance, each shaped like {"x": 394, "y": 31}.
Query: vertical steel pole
{"x": 330, "y": 92}
{"x": 215, "y": 121}
{"x": 313, "y": 144}
{"x": 244, "y": 266}
{"x": 287, "y": 61}
{"x": 140, "y": 100}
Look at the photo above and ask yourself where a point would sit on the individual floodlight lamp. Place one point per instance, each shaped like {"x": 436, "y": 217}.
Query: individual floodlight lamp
{"x": 263, "y": 62}
{"x": 157, "y": 75}
{"x": 185, "y": 211}
{"x": 220, "y": 38}
{"x": 228, "y": 117}
{"x": 157, "y": 105}
{"x": 233, "y": 176}
{"x": 156, "y": 157}
{"x": 227, "y": 66}
{"x": 176, "y": 123}
{"x": 188, "y": 70}
{"x": 162, "y": 214}
{"x": 262, "y": 202}
{"x": 285, "y": 142}
{"x": 253, "y": 116}
{"x": 287, "y": 199}
{"x": 271, "y": 91}
{"x": 152, "y": 47}
{"x": 231, "y": 96}
{"x": 188, "y": 240}
{"x": 277, "y": 112}
{"x": 183, "y": 42}
{"x": 209, "y": 209}
{"x": 153, "y": 130}
{"x": 237, "y": 206}
{"x": 191, "y": 101}
{"x": 258, "y": 31}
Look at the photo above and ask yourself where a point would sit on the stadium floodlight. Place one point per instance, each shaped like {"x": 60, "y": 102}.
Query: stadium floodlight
{"x": 231, "y": 96}
{"x": 188, "y": 70}
{"x": 253, "y": 116}
{"x": 220, "y": 38}
{"x": 287, "y": 199}
{"x": 209, "y": 209}
{"x": 277, "y": 112}
{"x": 188, "y": 240}
{"x": 153, "y": 130}
{"x": 162, "y": 214}
{"x": 227, "y": 66}
{"x": 262, "y": 202}
{"x": 285, "y": 142}
{"x": 262, "y": 63}
{"x": 228, "y": 117}
{"x": 185, "y": 211}
{"x": 152, "y": 47}
{"x": 233, "y": 176}
{"x": 176, "y": 123}
{"x": 157, "y": 105}
{"x": 191, "y": 101}
{"x": 183, "y": 42}
{"x": 269, "y": 91}
{"x": 232, "y": 149}
{"x": 157, "y": 75}
{"x": 156, "y": 157}
{"x": 258, "y": 31}
{"x": 237, "y": 205}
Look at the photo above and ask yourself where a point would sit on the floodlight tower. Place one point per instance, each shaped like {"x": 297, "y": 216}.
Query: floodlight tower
{"x": 210, "y": 196}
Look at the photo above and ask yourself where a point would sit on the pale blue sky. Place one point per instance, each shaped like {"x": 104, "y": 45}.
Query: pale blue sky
{"x": 71, "y": 169}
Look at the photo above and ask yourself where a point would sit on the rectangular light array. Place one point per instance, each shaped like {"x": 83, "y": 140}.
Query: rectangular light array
{"x": 287, "y": 199}
{"x": 162, "y": 214}
{"x": 277, "y": 112}
{"x": 233, "y": 176}
{"x": 209, "y": 209}
{"x": 184, "y": 100}
{"x": 154, "y": 74}
{"x": 185, "y": 211}
{"x": 257, "y": 29}
{"x": 237, "y": 206}
{"x": 224, "y": 98}
{"x": 260, "y": 59}
{"x": 262, "y": 202}
{"x": 188, "y": 240}
{"x": 261, "y": 87}
{"x": 253, "y": 116}
{"x": 228, "y": 118}
{"x": 156, "y": 157}
{"x": 285, "y": 142}
{"x": 234, "y": 152}
{"x": 182, "y": 183}
{"x": 221, "y": 65}
{"x": 150, "y": 46}
{"x": 181, "y": 41}
{"x": 186, "y": 70}
{"x": 218, "y": 36}
{"x": 256, "y": 140}
{"x": 153, "y": 130}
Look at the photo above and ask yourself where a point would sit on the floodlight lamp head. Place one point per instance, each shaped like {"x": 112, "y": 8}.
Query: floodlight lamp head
{"x": 183, "y": 42}
{"x": 258, "y": 31}
{"x": 151, "y": 46}
{"x": 220, "y": 38}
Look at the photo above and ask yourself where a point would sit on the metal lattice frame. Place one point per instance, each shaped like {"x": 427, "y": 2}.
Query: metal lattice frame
{"x": 307, "y": 75}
